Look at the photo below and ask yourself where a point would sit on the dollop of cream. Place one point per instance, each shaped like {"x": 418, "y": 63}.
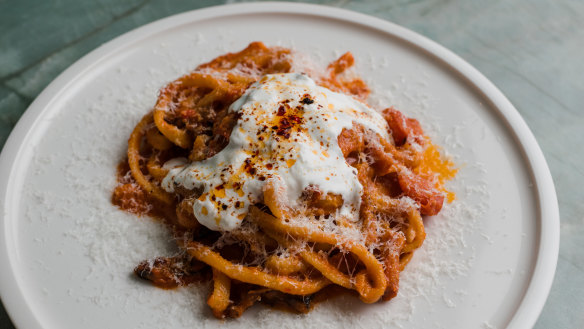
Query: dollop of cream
{"x": 286, "y": 133}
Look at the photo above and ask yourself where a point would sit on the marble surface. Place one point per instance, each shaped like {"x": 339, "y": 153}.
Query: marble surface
{"x": 533, "y": 50}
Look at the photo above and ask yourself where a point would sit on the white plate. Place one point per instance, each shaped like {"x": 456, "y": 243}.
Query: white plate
{"x": 68, "y": 254}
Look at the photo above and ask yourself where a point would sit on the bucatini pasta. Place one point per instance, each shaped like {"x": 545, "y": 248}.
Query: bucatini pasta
{"x": 280, "y": 187}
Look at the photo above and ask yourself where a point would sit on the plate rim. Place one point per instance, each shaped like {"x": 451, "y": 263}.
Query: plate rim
{"x": 535, "y": 296}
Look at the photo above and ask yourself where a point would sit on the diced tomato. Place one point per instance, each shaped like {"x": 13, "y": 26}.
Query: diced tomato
{"x": 402, "y": 127}
{"x": 423, "y": 192}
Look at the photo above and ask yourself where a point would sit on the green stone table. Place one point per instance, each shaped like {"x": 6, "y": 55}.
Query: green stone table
{"x": 533, "y": 50}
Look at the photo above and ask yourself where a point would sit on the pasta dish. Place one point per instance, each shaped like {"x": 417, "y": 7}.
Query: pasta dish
{"x": 280, "y": 186}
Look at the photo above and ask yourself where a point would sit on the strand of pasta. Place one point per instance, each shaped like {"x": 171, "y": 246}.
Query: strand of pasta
{"x": 404, "y": 259}
{"x": 219, "y": 298}
{"x": 369, "y": 294}
{"x": 317, "y": 261}
{"x": 414, "y": 232}
{"x": 134, "y": 161}
{"x": 155, "y": 169}
{"x": 176, "y": 135}
{"x": 330, "y": 271}
{"x": 285, "y": 265}
{"x": 391, "y": 262}
{"x": 252, "y": 275}
{"x": 180, "y": 136}
{"x": 157, "y": 140}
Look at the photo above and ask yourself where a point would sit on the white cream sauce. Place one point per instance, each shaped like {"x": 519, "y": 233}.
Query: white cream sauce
{"x": 261, "y": 148}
